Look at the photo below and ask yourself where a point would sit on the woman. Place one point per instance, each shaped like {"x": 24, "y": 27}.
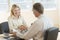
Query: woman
{"x": 15, "y": 20}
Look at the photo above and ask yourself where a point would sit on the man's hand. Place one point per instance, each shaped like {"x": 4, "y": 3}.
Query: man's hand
{"x": 22, "y": 27}
{"x": 31, "y": 23}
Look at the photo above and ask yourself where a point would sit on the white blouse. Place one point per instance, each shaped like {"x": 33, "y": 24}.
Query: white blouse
{"x": 15, "y": 23}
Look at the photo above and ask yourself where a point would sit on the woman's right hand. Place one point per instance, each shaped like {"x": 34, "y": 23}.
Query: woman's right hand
{"x": 13, "y": 34}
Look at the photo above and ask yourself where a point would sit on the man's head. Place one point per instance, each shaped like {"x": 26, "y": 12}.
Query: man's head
{"x": 38, "y": 9}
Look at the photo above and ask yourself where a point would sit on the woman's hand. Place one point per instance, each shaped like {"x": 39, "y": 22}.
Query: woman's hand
{"x": 31, "y": 23}
{"x": 22, "y": 27}
{"x": 13, "y": 34}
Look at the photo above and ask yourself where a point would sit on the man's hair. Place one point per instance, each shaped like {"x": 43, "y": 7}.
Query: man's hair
{"x": 38, "y": 7}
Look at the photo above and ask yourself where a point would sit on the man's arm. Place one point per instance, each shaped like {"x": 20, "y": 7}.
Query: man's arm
{"x": 34, "y": 29}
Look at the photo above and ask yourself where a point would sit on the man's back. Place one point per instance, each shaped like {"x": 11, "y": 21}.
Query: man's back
{"x": 46, "y": 23}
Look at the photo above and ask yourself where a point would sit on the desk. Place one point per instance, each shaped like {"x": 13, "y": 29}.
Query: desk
{"x": 2, "y": 36}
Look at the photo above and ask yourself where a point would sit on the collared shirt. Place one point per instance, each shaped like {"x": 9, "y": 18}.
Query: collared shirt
{"x": 37, "y": 30}
{"x": 14, "y": 22}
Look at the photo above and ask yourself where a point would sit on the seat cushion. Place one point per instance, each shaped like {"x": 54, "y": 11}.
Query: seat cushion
{"x": 51, "y": 34}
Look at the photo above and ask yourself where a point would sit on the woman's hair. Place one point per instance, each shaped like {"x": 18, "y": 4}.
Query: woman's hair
{"x": 38, "y": 7}
{"x": 13, "y": 7}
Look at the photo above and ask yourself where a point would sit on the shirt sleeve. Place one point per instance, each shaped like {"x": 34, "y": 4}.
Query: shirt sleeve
{"x": 10, "y": 24}
{"x": 33, "y": 30}
{"x": 24, "y": 22}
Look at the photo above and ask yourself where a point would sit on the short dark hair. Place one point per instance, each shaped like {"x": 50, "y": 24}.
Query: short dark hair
{"x": 38, "y": 7}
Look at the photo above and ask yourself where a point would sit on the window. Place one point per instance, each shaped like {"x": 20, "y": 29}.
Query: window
{"x": 27, "y": 4}
{"x": 24, "y": 4}
{"x": 3, "y": 10}
{"x": 48, "y": 4}
{"x": 3, "y": 5}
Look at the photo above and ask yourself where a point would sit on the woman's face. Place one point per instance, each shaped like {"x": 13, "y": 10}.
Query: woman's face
{"x": 16, "y": 12}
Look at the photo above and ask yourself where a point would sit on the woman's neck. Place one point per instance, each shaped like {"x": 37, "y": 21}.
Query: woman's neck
{"x": 16, "y": 17}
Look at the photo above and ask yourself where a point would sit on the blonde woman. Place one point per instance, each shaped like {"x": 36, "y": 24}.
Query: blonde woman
{"x": 15, "y": 20}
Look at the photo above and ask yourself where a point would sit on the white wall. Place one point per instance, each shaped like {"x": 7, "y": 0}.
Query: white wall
{"x": 52, "y": 14}
{"x": 59, "y": 11}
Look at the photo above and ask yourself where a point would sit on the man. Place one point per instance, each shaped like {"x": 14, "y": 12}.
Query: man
{"x": 36, "y": 31}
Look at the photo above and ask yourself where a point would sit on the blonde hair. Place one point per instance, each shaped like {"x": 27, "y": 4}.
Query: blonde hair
{"x": 13, "y": 7}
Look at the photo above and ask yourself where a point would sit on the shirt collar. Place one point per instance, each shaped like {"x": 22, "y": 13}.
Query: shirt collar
{"x": 14, "y": 16}
{"x": 40, "y": 16}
